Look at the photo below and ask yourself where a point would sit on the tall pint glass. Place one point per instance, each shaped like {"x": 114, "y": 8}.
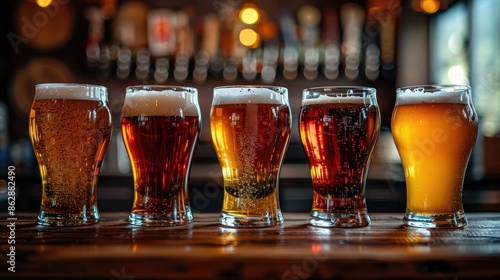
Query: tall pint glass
{"x": 338, "y": 128}
{"x": 434, "y": 128}
{"x": 160, "y": 129}
{"x": 70, "y": 128}
{"x": 250, "y": 127}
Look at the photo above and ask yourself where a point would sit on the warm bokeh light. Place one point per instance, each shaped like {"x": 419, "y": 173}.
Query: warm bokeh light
{"x": 43, "y": 3}
{"x": 458, "y": 75}
{"x": 249, "y": 14}
{"x": 267, "y": 30}
{"x": 249, "y": 38}
{"x": 429, "y": 6}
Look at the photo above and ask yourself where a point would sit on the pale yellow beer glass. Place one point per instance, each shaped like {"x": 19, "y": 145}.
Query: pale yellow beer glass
{"x": 435, "y": 129}
{"x": 250, "y": 127}
{"x": 70, "y": 128}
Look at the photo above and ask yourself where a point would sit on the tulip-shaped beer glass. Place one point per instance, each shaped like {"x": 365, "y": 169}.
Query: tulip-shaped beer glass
{"x": 70, "y": 128}
{"x": 250, "y": 127}
{"x": 339, "y": 127}
{"x": 434, "y": 128}
{"x": 160, "y": 129}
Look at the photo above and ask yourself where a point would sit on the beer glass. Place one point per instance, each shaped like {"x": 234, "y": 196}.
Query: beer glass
{"x": 338, "y": 129}
{"x": 160, "y": 128}
{"x": 70, "y": 128}
{"x": 250, "y": 127}
{"x": 434, "y": 128}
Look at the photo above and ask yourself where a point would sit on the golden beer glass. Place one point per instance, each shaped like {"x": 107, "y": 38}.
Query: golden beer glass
{"x": 435, "y": 129}
{"x": 70, "y": 128}
{"x": 160, "y": 127}
{"x": 250, "y": 128}
{"x": 339, "y": 127}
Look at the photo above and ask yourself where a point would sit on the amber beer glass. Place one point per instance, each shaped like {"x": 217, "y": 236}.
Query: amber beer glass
{"x": 338, "y": 128}
{"x": 70, "y": 128}
{"x": 250, "y": 127}
{"x": 435, "y": 129}
{"x": 160, "y": 128}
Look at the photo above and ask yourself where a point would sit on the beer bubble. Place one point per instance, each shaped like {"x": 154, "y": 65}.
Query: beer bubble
{"x": 69, "y": 146}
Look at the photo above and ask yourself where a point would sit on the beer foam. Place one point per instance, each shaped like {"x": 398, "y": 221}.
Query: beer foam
{"x": 325, "y": 99}
{"x": 238, "y": 95}
{"x": 160, "y": 103}
{"x": 420, "y": 95}
{"x": 71, "y": 91}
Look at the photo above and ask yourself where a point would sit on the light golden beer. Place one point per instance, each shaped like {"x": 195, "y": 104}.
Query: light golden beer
{"x": 160, "y": 128}
{"x": 250, "y": 129}
{"x": 338, "y": 129}
{"x": 70, "y": 128}
{"x": 435, "y": 129}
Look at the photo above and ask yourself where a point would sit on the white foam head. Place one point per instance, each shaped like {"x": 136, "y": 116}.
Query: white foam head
{"x": 433, "y": 94}
{"x": 338, "y": 95}
{"x": 249, "y": 94}
{"x": 161, "y": 103}
{"x": 325, "y": 99}
{"x": 71, "y": 91}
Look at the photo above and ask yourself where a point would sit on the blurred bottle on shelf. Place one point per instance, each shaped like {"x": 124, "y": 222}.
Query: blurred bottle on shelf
{"x": 310, "y": 18}
{"x": 291, "y": 45}
{"x": 207, "y": 59}
{"x": 161, "y": 32}
{"x": 352, "y": 17}
{"x": 270, "y": 64}
{"x": 123, "y": 63}
{"x": 142, "y": 65}
{"x": 331, "y": 43}
{"x": 162, "y": 68}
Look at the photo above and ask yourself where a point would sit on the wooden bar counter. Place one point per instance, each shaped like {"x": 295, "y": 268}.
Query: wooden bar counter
{"x": 113, "y": 249}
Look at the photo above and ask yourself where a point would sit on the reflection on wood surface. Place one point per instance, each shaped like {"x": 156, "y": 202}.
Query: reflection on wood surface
{"x": 114, "y": 249}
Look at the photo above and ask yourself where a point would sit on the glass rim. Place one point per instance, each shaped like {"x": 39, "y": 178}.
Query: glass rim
{"x": 333, "y": 89}
{"x": 278, "y": 89}
{"x": 175, "y": 88}
{"x": 74, "y": 85}
{"x": 428, "y": 88}
{"x": 73, "y": 91}
{"x": 342, "y": 92}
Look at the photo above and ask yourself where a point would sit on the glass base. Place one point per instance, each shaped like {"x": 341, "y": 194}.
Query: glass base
{"x": 67, "y": 219}
{"x": 161, "y": 219}
{"x": 231, "y": 220}
{"x": 453, "y": 220}
{"x": 344, "y": 220}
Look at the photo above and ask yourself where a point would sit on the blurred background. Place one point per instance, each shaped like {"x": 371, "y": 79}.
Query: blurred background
{"x": 291, "y": 43}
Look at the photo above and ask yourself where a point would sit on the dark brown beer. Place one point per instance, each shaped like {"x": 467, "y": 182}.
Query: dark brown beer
{"x": 338, "y": 139}
{"x": 160, "y": 128}
{"x": 160, "y": 149}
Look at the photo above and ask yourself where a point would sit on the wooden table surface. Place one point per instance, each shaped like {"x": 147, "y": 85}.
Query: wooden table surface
{"x": 114, "y": 249}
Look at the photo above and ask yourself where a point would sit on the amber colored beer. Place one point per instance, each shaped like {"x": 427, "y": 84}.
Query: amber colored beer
{"x": 435, "y": 131}
{"x": 160, "y": 128}
{"x": 338, "y": 133}
{"x": 70, "y": 128}
{"x": 250, "y": 131}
